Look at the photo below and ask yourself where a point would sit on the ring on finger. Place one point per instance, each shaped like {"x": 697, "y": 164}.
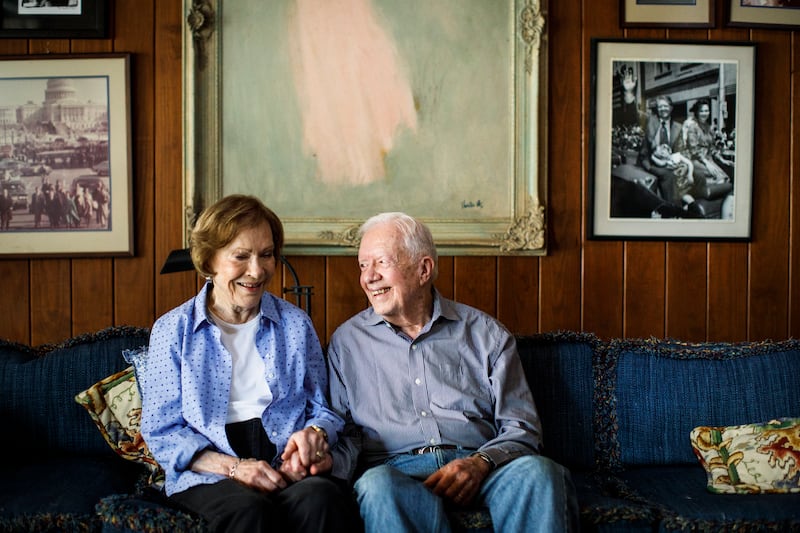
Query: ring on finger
{"x": 319, "y": 454}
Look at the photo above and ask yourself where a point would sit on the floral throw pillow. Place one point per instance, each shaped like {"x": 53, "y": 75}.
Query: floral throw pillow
{"x": 751, "y": 458}
{"x": 116, "y": 409}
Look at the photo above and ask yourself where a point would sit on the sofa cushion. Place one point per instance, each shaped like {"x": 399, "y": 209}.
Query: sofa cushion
{"x": 659, "y": 391}
{"x": 750, "y": 458}
{"x": 606, "y": 505}
{"x": 558, "y": 367}
{"x": 36, "y": 484}
{"x": 38, "y": 387}
{"x": 115, "y": 406}
{"x": 55, "y": 523}
{"x": 679, "y": 493}
{"x": 149, "y": 512}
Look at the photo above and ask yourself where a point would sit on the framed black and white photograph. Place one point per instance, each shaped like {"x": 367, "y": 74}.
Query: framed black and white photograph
{"x": 780, "y": 14}
{"x": 54, "y": 19}
{"x": 672, "y": 140}
{"x": 65, "y": 156}
{"x": 667, "y": 13}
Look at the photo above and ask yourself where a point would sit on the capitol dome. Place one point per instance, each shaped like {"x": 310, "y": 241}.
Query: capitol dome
{"x": 59, "y": 89}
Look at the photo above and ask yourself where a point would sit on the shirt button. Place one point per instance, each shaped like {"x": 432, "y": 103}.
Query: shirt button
{"x": 271, "y": 376}
{"x": 413, "y": 346}
{"x": 424, "y": 413}
{"x": 274, "y": 433}
{"x": 433, "y": 441}
{"x": 417, "y": 381}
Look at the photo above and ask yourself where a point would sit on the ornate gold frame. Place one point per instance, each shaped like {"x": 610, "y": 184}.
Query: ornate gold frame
{"x": 521, "y": 231}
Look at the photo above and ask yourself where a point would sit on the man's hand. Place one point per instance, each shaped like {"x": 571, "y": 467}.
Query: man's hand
{"x": 306, "y": 453}
{"x": 294, "y": 471}
{"x": 629, "y": 82}
{"x": 459, "y": 480}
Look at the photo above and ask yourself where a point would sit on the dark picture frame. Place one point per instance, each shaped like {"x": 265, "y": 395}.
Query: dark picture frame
{"x": 740, "y": 14}
{"x": 87, "y": 20}
{"x": 667, "y": 13}
{"x": 65, "y": 156}
{"x": 700, "y": 187}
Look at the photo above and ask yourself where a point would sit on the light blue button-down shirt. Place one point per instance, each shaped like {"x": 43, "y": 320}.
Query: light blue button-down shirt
{"x": 185, "y": 383}
{"x": 460, "y": 382}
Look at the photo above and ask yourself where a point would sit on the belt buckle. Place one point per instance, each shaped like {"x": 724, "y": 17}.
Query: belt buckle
{"x": 425, "y": 449}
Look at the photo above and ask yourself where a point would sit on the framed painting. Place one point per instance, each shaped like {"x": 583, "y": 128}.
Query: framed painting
{"x": 63, "y": 19}
{"x": 65, "y": 156}
{"x": 667, "y": 13}
{"x": 672, "y": 140}
{"x": 435, "y": 108}
{"x": 780, "y": 14}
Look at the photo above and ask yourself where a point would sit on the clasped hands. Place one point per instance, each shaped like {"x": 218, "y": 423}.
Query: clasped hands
{"x": 306, "y": 453}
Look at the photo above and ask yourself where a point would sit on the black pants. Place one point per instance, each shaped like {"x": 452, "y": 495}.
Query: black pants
{"x": 667, "y": 184}
{"x": 315, "y": 504}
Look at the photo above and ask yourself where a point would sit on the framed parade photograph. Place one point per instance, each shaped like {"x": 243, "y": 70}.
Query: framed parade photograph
{"x": 331, "y": 119}
{"x": 65, "y": 156}
{"x": 781, "y": 14}
{"x": 667, "y": 13}
{"x": 54, "y": 19}
{"x": 671, "y": 154}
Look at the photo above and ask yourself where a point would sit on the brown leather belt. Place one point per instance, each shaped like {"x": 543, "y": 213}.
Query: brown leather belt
{"x": 431, "y": 449}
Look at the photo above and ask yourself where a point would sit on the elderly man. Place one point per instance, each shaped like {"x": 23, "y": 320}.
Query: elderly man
{"x": 438, "y": 411}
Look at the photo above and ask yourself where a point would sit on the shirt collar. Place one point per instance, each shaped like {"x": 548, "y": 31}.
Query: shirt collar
{"x": 268, "y": 310}
{"x": 442, "y": 308}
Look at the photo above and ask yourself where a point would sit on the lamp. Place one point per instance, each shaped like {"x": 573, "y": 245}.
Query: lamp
{"x": 180, "y": 261}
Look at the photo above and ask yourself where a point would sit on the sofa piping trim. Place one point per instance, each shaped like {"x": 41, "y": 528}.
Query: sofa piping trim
{"x": 607, "y": 448}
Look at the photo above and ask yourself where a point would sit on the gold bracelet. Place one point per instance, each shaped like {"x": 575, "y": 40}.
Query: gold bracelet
{"x": 320, "y": 431}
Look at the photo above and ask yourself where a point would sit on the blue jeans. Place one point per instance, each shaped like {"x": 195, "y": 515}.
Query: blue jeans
{"x": 531, "y": 493}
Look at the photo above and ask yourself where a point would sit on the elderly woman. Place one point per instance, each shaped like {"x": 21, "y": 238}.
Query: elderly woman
{"x": 234, "y": 390}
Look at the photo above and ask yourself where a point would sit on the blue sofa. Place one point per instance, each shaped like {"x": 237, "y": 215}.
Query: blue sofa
{"x": 61, "y": 475}
{"x": 618, "y": 413}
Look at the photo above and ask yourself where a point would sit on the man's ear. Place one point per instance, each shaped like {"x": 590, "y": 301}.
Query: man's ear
{"x": 425, "y": 269}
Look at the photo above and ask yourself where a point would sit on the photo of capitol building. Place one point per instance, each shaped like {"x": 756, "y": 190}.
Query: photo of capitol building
{"x": 63, "y": 113}
{"x": 54, "y": 154}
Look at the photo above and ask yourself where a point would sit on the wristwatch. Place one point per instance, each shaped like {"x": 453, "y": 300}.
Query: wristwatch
{"x": 320, "y": 431}
{"x": 485, "y": 457}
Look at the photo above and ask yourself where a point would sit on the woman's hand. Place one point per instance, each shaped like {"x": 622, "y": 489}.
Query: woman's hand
{"x": 250, "y": 472}
{"x": 294, "y": 471}
{"x": 306, "y": 453}
{"x": 258, "y": 475}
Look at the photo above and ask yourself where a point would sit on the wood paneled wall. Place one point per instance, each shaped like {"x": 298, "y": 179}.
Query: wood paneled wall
{"x": 689, "y": 291}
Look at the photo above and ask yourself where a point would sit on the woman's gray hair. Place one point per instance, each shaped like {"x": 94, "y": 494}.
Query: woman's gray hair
{"x": 417, "y": 240}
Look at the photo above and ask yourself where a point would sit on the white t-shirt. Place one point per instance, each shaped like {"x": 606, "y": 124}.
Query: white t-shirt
{"x": 250, "y": 394}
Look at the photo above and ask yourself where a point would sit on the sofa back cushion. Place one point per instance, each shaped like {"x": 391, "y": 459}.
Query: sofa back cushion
{"x": 558, "y": 367}
{"x": 38, "y": 388}
{"x": 661, "y": 390}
